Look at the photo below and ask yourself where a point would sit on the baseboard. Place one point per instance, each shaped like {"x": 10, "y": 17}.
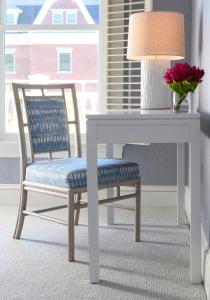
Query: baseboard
{"x": 152, "y": 196}
{"x": 206, "y": 273}
{"x": 205, "y": 250}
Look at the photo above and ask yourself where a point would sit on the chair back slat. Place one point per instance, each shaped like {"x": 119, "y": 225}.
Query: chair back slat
{"x": 76, "y": 115}
{"x": 63, "y": 94}
{"x": 23, "y": 148}
{"x": 50, "y": 155}
{"x": 28, "y": 122}
{"x": 47, "y": 119}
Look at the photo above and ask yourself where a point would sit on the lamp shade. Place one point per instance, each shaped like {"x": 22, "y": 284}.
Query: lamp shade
{"x": 156, "y": 35}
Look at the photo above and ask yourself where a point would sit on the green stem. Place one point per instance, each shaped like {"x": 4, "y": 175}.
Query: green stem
{"x": 179, "y": 102}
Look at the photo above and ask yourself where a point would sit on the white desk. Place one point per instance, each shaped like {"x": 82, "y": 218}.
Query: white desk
{"x": 147, "y": 127}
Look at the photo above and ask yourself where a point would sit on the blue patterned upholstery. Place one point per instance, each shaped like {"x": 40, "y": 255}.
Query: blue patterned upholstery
{"x": 48, "y": 123}
{"x": 72, "y": 173}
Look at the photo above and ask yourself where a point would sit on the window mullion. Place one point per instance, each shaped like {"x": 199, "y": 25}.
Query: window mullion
{"x": 2, "y": 76}
{"x": 102, "y": 59}
{"x": 2, "y": 11}
{"x": 63, "y": 27}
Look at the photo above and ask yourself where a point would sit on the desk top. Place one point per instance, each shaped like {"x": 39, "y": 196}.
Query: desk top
{"x": 144, "y": 114}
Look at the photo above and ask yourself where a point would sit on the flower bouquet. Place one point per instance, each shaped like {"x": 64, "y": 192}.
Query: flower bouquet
{"x": 182, "y": 79}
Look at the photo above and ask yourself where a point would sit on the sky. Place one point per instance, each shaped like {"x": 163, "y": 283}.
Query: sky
{"x": 22, "y": 2}
{"x": 37, "y": 2}
{"x": 91, "y": 1}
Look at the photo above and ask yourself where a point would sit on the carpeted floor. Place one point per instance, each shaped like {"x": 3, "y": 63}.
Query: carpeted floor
{"x": 36, "y": 266}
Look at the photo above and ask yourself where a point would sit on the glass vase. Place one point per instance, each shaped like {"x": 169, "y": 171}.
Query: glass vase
{"x": 181, "y": 104}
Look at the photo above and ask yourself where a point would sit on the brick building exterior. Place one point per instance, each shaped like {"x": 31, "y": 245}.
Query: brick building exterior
{"x": 52, "y": 56}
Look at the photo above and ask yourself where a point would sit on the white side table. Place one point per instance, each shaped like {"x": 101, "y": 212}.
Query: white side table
{"x": 147, "y": 127}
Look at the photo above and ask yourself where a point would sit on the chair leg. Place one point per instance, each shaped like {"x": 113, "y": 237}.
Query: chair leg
{"x": 138, "y": 212}
{"x": 21, "y": 216}
{"x": 70, "y": 226}
{"x": 77, "y": 212}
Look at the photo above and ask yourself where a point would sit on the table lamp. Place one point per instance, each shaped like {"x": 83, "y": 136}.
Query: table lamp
{"x": 155, "y": 38}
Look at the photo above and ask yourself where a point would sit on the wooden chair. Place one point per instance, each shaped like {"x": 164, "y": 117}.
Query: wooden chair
{"x": 44, "y": 111}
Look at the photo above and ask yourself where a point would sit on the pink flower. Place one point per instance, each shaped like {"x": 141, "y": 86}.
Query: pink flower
{"x": 167, "y": 77}
{"x": 196, "y": 73}
{"x": 183, "y": 72}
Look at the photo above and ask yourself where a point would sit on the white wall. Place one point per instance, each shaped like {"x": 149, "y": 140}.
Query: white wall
{"x": 201, "y": 56}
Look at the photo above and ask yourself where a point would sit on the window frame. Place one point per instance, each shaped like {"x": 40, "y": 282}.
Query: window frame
{"x": 11, "y": 51}
{"x": 71, "y": 12}
{"x": 57, "y": 12}
{"x": 10, "y": 15}
{"x": 6, "y": 139}
{"x": 64, "y": 51}
{"x": 12, "y": 12}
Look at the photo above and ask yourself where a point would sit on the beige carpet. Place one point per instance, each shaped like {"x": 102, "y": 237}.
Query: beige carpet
{"x": 36, "y": 266}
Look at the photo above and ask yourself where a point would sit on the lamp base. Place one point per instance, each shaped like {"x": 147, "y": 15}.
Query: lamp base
{"x": 154, "y": 94}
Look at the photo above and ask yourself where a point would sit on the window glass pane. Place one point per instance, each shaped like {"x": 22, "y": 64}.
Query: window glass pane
{"x": 10, "y": 19}
{"x": 36, "y": 61}
{"x": 57, "y": 19}
{"x": 39, "y": 12}
{"x": 9, "y": 63}
{"x": 65, "y": 62}
{"x": 71, "y": 18}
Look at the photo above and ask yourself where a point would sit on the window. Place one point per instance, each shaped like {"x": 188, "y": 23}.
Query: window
{"x": 46, "y": 52}
{"x": 57, "y": 16}
{"x": 12, "y": 14}
{"x": 71, "y": 17}
{"x": 64, "y": 60}
{"x": 10, "y": 18}
{"x": 123, "y": 76}
{"x": 10, "y": 61}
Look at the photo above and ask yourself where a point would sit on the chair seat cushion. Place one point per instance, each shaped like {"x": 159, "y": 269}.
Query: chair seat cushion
{"x": 72, "y": 172}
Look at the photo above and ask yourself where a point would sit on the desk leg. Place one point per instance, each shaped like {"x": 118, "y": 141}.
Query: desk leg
{"x": 180, "y": 184}
{"x": 110, "y": 192}
{"x": 195, "y": 226}
{"x": 92, "y": 190}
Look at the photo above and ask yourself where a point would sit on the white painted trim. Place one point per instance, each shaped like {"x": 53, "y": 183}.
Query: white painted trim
{"x": 102, "y": 59}
{"x": 205, "y": 250}
{"x": 206, "y": 269}
{"x": 43, "y": 12}
{"x": 62, "y": 37}
{"x": 9, "y": 187}
{"x": 48, "y": 4}
{"x": 47, "y": 27}
{"x": 2, "y": 11}
{"x": 2, "y": 75}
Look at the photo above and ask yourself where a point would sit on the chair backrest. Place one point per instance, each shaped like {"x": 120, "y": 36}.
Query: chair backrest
{"x": 45, "y": 110}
